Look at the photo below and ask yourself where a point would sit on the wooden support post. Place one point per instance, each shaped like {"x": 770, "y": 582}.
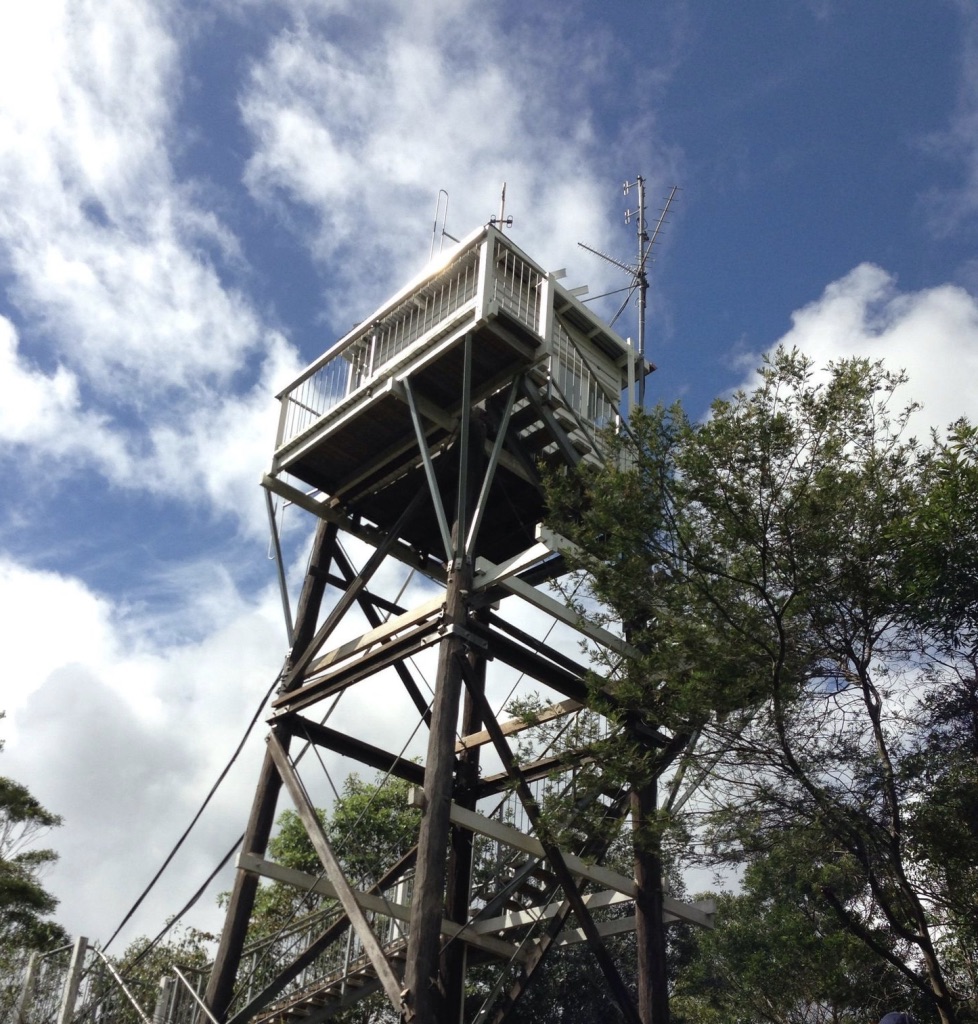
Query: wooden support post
{"x": 652, "y": 979}
{"x": 428, "y": 999}
{"x": 453, "y": 959}
{"x": 220, "y": 985}
{"x": 425, "y": 999}
{"x": 69, "y": 994}
{"x": 22, "y": 1009}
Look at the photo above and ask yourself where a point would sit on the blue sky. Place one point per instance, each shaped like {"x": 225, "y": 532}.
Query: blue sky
{"x": 198, "y": 199}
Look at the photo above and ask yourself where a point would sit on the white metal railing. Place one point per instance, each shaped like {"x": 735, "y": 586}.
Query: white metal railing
{"x": 263, "y": 959}
{"x": 489, "y": 272}
{"x": 576, "y": 383}
{"x": 366, "y": 353}
{"x": 35, "y": 988}
{"x": 516, "y": 285}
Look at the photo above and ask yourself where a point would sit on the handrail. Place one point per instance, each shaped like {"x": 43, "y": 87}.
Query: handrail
{"x": 200, "y": 1002}
{"x": 358, "y": 358}
{"x": 118, "y": 979}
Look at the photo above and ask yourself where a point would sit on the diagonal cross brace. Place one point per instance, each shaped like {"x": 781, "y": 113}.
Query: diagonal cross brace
{"x": 572, "y": 893}
{"x": 351, "y": 594}
{"x": 334, "y": 872}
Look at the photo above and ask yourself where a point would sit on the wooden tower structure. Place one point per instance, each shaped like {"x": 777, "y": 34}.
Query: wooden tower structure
{"x": 421, "y": 434}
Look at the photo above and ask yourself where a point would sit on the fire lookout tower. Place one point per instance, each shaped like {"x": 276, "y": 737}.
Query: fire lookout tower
{"x": 422, "y": 434}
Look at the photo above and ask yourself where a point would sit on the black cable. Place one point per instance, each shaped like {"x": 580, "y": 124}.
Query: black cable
{"x": 183, "y": 910}
{"x": 196, "y": 818}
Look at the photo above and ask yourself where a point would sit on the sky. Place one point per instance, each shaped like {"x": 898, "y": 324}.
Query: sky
{"x": 197, "y": 199}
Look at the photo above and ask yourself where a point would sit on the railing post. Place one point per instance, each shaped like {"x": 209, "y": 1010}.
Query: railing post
{"x": 27, "y": 992}
{"x": 73, "y": 980}
{"x": 162, "y": 1012}
{"x": 484, "y": 289}
{"x": 545, "y": 319}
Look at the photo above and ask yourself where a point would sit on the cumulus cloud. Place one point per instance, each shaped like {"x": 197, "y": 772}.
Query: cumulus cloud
{"x": 932, "y": 334}
{"x": 133, "y": 350}
{"x": 123, "y": 735}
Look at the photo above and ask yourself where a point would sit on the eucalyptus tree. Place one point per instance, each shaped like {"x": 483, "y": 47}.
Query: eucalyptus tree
{"x": 763, "y": 565}
{"x": 778, "y": 956}
{"x": 26, "y": 905}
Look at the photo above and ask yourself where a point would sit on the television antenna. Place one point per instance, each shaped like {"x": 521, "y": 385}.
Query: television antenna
{"x": 638, "y": 271}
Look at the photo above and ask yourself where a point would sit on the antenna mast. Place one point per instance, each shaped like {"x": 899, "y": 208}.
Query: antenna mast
{"x": 502, "y": 221}
{"x": 640, "y": 278}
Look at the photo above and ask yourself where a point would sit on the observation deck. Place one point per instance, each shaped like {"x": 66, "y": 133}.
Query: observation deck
{"x": 351, "y": 424}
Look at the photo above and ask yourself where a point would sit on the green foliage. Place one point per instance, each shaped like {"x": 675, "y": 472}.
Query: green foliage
{"x": 800, "y": 581}
{"x": 23, "y": 900}
{"x": 371, "y": 827}
{"x": 143, "y": 964}
{"x": 939, "y": 541}
{"x": 776, "y": 956}
{"x": 25, "y": 905}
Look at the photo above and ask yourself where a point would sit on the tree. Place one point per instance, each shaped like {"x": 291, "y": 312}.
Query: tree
{"x": 776, "y": 956}
{"x": 25, "y": 905}
{"x": 371, "y": 827}
{"x": 806, "y": 530}
{"x": 760, "y": 562}
{"x": 142, "y": 968}
{"x": 940, "y": 546}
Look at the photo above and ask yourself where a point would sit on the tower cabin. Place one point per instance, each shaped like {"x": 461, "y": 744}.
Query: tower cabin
{"x": 542, "y": 369}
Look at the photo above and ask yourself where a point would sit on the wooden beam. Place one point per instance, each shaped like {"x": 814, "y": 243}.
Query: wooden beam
{"x": 376, "y": 904}
{"x": 334, "y": 931}
{"x": 522, "y": 918}
{"x": 556, "y": 609}
{"x": 311, "y": 692}
{"x": 488, "y": 574}
{"x": 598, "y": 873}
{"x": 543, "y": 670}
{"x": 348, "y": 746}
{"x": 558, "y": 863}
{"x": 322, "y": 507}
{"x": 334, "y": 872}
{"x": 533, "y": 915}
{"x": 514, "y": 725}
{"x": 491, "y": 785}
{"x": 382, "y": 633}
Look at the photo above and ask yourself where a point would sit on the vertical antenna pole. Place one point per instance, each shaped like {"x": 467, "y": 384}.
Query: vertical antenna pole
{"x": 643, "y": 287}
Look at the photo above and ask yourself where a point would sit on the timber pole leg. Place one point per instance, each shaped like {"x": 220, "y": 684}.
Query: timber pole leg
{"x": 220, "y": 986}
{"x": 459, "y": 885}
{"x": 650, "y": 929}
{"x": 424, "y": 998}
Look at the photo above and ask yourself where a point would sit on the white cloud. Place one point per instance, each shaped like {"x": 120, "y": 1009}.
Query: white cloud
{"x": 932, "y": 334}
{"x": 124, "y": 736}
{"x": 948, "y": 208}
{"x": 210, "y": 456}
{"x": 45, "y": 411}
{"x": 434, "y": 97}
{"x": 218, "y": 451}
{"x": 133, "y": 351}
